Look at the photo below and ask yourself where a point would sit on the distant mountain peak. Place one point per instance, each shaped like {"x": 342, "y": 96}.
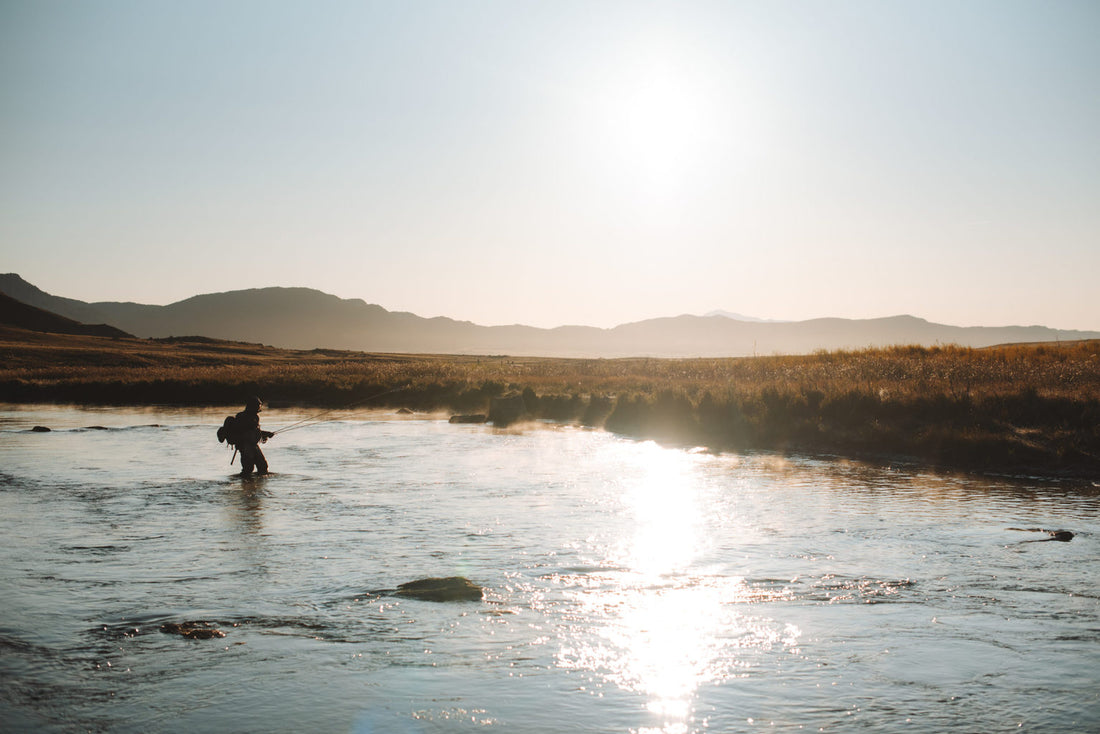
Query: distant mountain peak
{"x": 743, "y": 317}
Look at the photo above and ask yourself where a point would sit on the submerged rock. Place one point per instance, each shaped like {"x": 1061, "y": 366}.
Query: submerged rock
{"x": 192, "y": 630}
{"x": 40, "y": 429}
{"x": 473, "y": 418}
{"x": 1063, "y": 535}
{"x": 450, "y": 588}
{"x": 404, "y": 411}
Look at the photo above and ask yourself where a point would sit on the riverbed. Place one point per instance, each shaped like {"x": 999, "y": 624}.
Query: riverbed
{"x": 629, "y": 587}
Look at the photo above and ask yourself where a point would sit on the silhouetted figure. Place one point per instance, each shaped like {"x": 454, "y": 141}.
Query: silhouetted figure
{"x": 249, "y": 437}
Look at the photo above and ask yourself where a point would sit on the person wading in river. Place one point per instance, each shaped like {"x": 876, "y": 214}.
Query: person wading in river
{"x": 248, "y": 437}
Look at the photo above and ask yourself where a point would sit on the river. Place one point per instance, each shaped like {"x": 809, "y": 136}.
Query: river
{"x": 629, "y": 587}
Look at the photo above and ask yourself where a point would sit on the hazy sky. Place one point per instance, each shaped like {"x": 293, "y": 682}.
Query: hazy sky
{"x": 560, "y": 162}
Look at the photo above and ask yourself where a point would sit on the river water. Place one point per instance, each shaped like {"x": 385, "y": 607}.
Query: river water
{"x": 629, "y": 587}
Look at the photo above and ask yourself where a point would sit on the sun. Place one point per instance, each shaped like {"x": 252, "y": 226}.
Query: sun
{"x": 651, "y": 122}
{"x": 657, "y": 125}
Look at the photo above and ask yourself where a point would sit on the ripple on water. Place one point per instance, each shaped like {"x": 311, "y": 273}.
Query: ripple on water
{"x": 629, "y": 587}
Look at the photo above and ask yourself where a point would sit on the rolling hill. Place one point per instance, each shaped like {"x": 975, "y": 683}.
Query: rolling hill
{"x": 24, "y": 316}
{"x": 303, "y": 318}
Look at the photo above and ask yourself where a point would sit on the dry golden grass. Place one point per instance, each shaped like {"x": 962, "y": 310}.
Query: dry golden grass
{"x": 1052, "y": 370}
{"x": 1027, "y": 404}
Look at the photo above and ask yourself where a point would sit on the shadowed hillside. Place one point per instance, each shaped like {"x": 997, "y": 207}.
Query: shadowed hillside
{"x": 302, "y": 318}
{"x": 25, "y": 316}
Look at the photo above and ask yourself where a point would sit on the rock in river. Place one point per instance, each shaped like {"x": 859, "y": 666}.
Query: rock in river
{"x": 192, "y": 630}
{"x": 472, "y": 418}
{"x": 451, "y": 588}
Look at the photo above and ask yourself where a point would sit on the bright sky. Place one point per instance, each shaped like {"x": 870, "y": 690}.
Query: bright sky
{"x": 591, "y": 162}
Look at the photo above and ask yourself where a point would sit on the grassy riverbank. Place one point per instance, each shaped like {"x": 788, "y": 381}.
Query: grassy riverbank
{"x": 1026, "y": 408}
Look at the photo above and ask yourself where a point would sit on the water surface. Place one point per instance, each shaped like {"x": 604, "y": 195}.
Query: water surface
{"x": 629, "y": 587}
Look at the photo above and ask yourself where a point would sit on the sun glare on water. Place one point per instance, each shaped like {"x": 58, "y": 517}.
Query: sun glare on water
{"x": 662, "y": 500}
{"x": 664, "y": 625}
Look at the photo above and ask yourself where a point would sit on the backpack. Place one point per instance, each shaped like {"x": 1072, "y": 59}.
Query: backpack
{"x": 229, "y": 432}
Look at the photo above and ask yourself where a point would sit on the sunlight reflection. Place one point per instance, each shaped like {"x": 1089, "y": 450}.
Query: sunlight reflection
{"x": 659, "y": 626}
{"x": 664, "y": 642}
{"x": 664, "y": 502}
{"x": 669, "y": 646}
{"x": 667, "y": 643}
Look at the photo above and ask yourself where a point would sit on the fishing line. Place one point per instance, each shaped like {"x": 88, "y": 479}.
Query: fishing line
{"x": 313, "y": 418}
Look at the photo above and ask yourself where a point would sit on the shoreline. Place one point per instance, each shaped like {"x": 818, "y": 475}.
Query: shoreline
{"x": 1025, "y": 410}
{"x": 1052, "y": 470}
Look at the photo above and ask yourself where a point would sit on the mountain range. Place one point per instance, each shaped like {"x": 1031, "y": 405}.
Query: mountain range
{"x": 303, "y": 318}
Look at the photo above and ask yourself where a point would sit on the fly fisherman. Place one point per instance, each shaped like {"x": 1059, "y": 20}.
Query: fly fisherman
{"x": 249, "y": 437}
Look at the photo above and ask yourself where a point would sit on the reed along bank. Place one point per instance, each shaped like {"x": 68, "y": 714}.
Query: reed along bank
{"x": 1032, "y": 409}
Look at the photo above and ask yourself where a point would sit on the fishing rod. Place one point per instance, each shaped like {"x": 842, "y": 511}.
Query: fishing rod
{"x": 313, "y": 418}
